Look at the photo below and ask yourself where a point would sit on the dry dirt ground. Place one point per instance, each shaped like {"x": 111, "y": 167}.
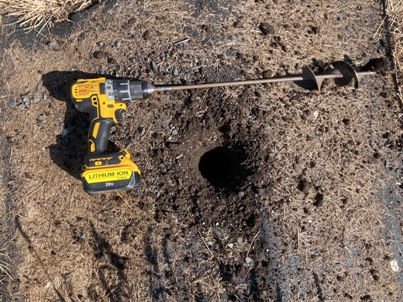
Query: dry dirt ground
{"x": 258, "y": 193}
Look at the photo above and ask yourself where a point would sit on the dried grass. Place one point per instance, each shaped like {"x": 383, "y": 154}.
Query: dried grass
{"x": 35, "y": 14}
{"x": 394, "y": 9}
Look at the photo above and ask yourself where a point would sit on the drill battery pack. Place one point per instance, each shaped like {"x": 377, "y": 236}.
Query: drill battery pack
{"x": 110, "y": 172}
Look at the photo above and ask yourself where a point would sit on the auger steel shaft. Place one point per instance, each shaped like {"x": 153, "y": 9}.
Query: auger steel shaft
{"x": 252, "y": 82}
{"x": 339, "y": 70}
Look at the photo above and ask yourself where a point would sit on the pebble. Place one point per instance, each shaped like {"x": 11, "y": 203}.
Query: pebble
{"x": 233, "y": 37}
{"x": 53, "y": 44}
{"x": 36, "y": 99}
{"x": 146, "y": 35}
{"x": 116, "y": 44}
{"x": 12, "y": 104}
{"x": 153, "y": 65}
{"x": 25, "y": 99}
{"x": 240, "y": 240}
{"x": 100, "y": 44}
{"x": 241, "y": 194}
{"x": 395, "y": 266}
{"x": 150, "y": 73}
{"x": 45, "y": 97}
{"x": 99, "y": 54}
{"x": 230, "y": 245}
{"x": 21, "y": 106}
{"x": 141, "y": 130}
{"x": 248, "y": 260}
{"x": 42, "y": 117}
{"x": 267, "y": 74}
{"x": 266, "y": 28}
{"x": 175, "y": 72}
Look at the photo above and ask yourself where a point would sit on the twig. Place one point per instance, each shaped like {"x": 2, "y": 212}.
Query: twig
{"x": 36, "y": 190}
{"x": 211, "y": 253}
{"x": 251, "y": 244}
{"x": 124, "y": 199}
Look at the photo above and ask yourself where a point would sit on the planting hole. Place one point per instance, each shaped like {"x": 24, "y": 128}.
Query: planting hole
{"x": 223, "y": 168}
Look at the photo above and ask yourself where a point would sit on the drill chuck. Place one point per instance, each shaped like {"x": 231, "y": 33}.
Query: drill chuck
{"x": 126, "y": 90}
{"x": 140, "y": 90}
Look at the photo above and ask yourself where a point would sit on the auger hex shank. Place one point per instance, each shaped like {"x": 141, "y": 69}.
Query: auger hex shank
{"x": 105, "y": 100}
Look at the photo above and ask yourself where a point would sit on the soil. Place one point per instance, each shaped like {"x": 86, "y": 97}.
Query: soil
{"x": 255, "y": 193}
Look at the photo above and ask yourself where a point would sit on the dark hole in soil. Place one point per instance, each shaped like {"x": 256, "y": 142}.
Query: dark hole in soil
{"x": 223, "y": 168}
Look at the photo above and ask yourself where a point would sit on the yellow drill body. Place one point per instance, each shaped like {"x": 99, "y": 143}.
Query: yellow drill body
{"x": 105, "y": 100}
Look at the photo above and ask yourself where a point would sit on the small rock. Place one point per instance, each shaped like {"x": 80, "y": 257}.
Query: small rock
{"x": 233, "y": 37}
{"x": 267, "y": 74}
{"x": 241, "y": 194}
{"x": 150, "y": 73}
{"x": 12, "y": 104}
{"x": 135, "y": 74}
{"x": 230, "y": 245}
{"x": 99, "y": 54}
{"x": 175, "y": 72}
{"x": 248, "y": 260}
{"x": 240, "y": 240}
{"x": 146, "y": 35}
{"x": 395, "y": 266}
{"x": 42, "y": 117}
{"x": 53, "y": 44}
{"x": 22, "y": 106}
{"x": 153, "y": 65}
{"x": 266, "y": 28}
{"x": 112, "y": 61}
{"x": 25, "y": 99}
{"x": 36, "y": 99}
{"x": 141, "y": 130}
{"x": 100, "y": 44}
{"x": 45, "y": 97}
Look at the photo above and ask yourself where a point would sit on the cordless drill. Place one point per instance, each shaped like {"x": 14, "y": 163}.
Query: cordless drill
{"x": 105, "y": 100}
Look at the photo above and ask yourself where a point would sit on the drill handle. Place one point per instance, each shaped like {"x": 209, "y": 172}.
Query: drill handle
{"x": 98, "y": 134}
